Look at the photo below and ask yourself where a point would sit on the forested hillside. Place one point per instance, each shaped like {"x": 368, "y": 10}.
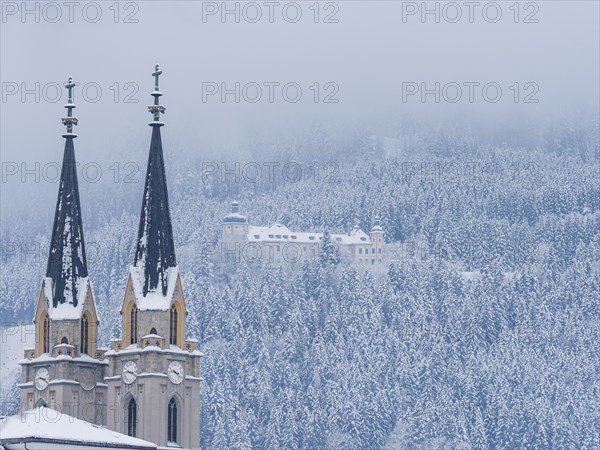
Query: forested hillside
{"x": 481, "y": 330}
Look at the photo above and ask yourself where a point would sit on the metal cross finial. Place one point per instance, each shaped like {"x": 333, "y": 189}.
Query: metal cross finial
{"x": 156, "y": 109}
{"x": 69, "y": 121}
{"x": 156, "y": 74}
{"x": 70, "y": 85}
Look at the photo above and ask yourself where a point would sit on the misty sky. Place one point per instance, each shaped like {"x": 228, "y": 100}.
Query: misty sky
{"x": 368, "y": 55}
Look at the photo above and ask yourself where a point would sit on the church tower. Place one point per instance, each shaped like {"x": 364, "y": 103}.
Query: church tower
{"x": 376, "y": 234}
{"x": 65, "y": 369}
{"x": 153, "y": 375}
{"x": 235, "y": 225}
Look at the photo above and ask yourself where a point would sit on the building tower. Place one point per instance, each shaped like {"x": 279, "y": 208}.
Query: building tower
{"x": 234, "y": 232}
{"x": 153, "y": 375}
{"x": 235, "y": 225}
{"x": 65, "y": 370}
{"x": 376, "y": 234}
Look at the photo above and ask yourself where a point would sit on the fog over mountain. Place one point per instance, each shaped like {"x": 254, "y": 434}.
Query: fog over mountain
{"x": 471, "y": 129}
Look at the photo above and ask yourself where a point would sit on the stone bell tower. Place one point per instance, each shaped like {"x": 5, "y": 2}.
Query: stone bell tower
{"x": 65, "y": 369}
{"x": 153, "y": 375}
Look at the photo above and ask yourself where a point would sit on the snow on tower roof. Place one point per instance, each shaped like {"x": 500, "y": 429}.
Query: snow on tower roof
{"x": 57, "y": 430}
{"x": 376, "y": 225}
{"x": 153, "y": 300}
{"x": 234, "y": 216}
{"x": 71, "y": 309}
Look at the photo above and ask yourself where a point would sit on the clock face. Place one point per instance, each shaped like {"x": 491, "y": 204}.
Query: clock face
{"x": 42, "y": 378}
{"x": 175, "y": 372}
{"x": 129, "y": 372}
{"x": 87, "y": 378}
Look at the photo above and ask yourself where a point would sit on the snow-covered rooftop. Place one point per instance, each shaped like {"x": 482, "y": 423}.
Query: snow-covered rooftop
{"x": 281, "y": 233}
{"x": 153, "y": 300}
{"x": 45, "y": 425}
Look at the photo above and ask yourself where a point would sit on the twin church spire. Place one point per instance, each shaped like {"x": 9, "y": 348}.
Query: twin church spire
{"x": 155, "y": 250}
{"x": 148, "y": 384}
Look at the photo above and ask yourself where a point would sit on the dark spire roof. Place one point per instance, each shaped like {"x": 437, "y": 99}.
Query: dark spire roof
{"x": 155, "y": 251}
{"x": 66, "y": 262}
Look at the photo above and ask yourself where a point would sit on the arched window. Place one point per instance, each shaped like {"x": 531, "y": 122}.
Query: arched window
{"x": 172, "y": 422}
{"x": 40, "y": 402}
{"x": 173, "y": 325}
{"x": 153, "y": 331}
{"x": 131, "y": 417}
{"x": 46, "y": 335}
{"x": 83, "y": 348}
{"x": 64, "y": 340}
{"x": 133, "y": 325}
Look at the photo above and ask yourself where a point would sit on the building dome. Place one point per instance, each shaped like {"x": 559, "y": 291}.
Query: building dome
{"x": 376, "y": 225}
{"x": 234, "y": 216}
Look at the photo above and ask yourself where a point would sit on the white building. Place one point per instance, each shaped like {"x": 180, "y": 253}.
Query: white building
{"x": 278, "y": 243}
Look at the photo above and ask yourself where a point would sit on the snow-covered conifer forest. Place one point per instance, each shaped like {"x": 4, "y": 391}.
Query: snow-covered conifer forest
{"x": 481, "y": 329}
